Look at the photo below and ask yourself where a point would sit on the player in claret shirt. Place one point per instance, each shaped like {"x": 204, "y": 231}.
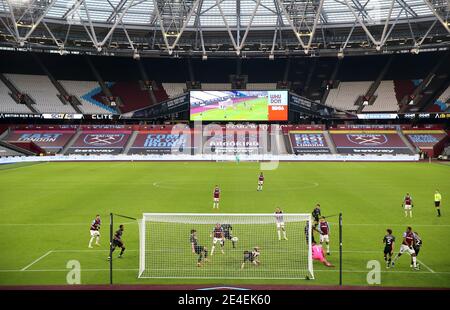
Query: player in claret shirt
{"x": 324, "y": 230}
{"x": 218, "y": 236}
{"x": 388, "y": 241}
{"x": 407, "y": 246}
{"x": 95, "y": 231}
{"x": 260, "y": 182}
{"x": 408, "y": 205}
{"x": 216, "y": 197}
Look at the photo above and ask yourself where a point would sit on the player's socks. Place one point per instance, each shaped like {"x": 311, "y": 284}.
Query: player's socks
{"x": 406, "y": 213}
{"x": 284, "y": 235}
{"x": 414, "y": 259}
{"x": 212, "y": 250}
{"x": 279, "y": 235}
{"x": 439, "y": 212}
{"x": 234, "y": 244}
{"x": 90, "y": 242}
{"x": 328, "y": 249}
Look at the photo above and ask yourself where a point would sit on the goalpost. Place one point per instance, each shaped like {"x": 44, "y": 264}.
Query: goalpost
{"x": 166, "y": 251}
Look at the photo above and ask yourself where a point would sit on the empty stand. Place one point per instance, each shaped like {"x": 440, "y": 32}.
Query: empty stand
{"x": 41, "y": 89}
{"x": 4, "y": 152}
{"x": 174, "y": 89}
{"x": 344, "y": 96}
{"x": 261, "y": 86}
{"x": 385, "y": 101}
{"x": 7, "y": 104}
{"x": 85, "y": 90}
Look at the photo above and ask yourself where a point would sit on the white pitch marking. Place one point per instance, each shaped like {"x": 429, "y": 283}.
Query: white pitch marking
{"x": 429, "y": 269}
{"x": 35, "y": 261}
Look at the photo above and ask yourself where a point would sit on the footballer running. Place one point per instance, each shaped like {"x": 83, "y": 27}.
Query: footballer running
{"x": 95, "y": 231}
{"x": 200, "y": 250}
{"x": 117, "y": 242}
{"x": 389, "y": 241}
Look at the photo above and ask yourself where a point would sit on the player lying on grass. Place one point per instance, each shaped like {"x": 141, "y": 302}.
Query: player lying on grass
{"x": 279, "y": 218}
{"x": 117, "y": 242}
{"x": 319, "y": 254}
{"x": 407, "y": 246}
{"x": 251, "y": 257}
{"x": 218, "y": 236}
{"x": 200, "y": 250}
{"x": 388, "y": 241}
{"x": 260, "y": 182}
{"x": 228, "y": 234}
{"x": 95, "y": 231}
{"x": 324, "y": 231}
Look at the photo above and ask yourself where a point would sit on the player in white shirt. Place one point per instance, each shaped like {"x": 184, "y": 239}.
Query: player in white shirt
{"x": 279, "y": 218}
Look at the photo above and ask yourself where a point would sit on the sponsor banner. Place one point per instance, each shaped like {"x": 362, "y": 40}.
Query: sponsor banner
{"x": 159, "y": 143}
{"x": 49, "y": 140}
{"x": 90, "y": 151}
{"x": 392, "y": 151}
{"x": 425, "y": 140}
{"x": 311, "y": 151}
{"x": 20, "y": 115}
{"x": 308, "y": 143}
{"x": 101, "y": 140}
{"x": 231, "y": 143}
{"x": 61, "y": 116}
{"x": 370, "y": 143}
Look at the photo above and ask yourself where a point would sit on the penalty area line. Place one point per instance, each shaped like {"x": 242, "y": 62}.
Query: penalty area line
{"x": 429, "y": 269}
{"x": 35, "y": 261}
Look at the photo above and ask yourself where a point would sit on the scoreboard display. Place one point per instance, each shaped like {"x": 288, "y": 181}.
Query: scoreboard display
{"x": 239, "y": 105}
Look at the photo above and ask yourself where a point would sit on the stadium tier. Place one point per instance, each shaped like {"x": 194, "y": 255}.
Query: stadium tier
{"x": 85, "y": 91}
{"x": 42, "y": 91}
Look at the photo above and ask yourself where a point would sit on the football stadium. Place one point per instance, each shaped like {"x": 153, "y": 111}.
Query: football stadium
{"x": 245, "y": 144}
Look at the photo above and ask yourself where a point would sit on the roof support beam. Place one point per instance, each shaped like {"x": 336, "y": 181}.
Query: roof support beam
{"x": 444, "y": 23}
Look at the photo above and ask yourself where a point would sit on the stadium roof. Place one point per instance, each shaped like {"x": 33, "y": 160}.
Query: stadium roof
{"x": 209, "y": 27}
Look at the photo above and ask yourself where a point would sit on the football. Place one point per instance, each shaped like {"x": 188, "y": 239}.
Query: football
{"x": 235, "y": 239}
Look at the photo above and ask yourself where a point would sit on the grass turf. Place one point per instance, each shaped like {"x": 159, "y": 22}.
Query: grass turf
{"x": 253, "y": 109}
{"x": 46, "y": 210}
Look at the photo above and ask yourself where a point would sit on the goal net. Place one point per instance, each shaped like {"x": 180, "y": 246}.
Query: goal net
{"x": 166, "y": 249}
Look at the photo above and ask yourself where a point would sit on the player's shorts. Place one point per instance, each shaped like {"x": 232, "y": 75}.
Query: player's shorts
{"x": 280, "y": 224}
{"x": 437, "y": 203}
{"x": 324, "y": 238}
{"x": 318, "y": 257}
{"x": 408, "y": 207}
{"x": 387, "y": 250}
{"x": 118, "y": 243}
{"x": 198, "y": 249}
{"x": 227, "y": 235}
{"x": 215, "y": 240}
{"x": 216, "y": 199}
{"x": 95, "y": 233}
{"x": 404, "y": 248}
{"x": 248, "y": 257}
{"x": 260, "y": 182}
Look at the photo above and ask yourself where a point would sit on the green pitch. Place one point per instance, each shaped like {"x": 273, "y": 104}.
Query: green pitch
{"x": 251, "y": 110}
{"x": 46, "y": 210}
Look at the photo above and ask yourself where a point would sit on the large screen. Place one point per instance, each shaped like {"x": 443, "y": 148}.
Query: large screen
{"x": 239, "y": 105}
